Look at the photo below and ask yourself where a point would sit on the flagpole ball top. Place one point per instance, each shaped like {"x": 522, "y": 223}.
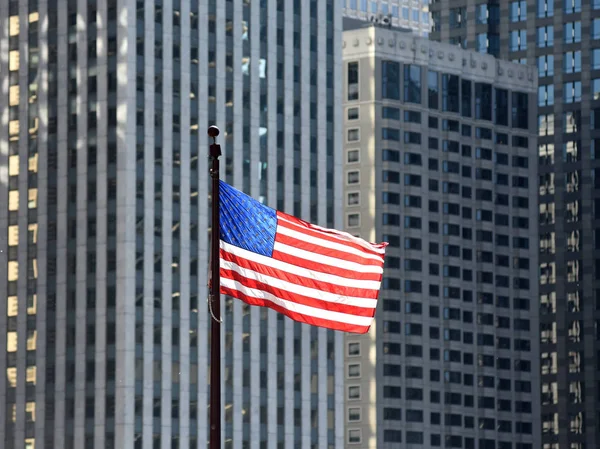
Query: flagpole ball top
{"x": 213, "y": 131}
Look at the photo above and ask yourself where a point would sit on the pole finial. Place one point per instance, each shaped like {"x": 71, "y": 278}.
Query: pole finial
{"x": 213, "y": 132}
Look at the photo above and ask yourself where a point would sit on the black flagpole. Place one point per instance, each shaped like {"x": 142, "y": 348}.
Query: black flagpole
{"x": 214, "y": 300}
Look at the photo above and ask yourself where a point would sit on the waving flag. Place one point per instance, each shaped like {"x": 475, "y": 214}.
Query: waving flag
{"x": 314, "y": 275}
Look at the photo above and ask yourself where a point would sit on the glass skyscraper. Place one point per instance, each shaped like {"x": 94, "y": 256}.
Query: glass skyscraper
{"x": 561, "y": 38}
{"x": 104, "y": 218}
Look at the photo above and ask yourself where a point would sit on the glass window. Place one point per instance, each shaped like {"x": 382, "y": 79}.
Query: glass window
{"x": 545, "y": 8}
{"x": 353, "y": 156}
{"x": 390, "y": 113}
{"x": 572, "y": 62}
{"x": 433, "y": 89}
{"x": 354, "y": 414}
{"x": 390, "y": 80}
{"x": 518, "y": 40}
{"x": 457, "y": 17}
{"x": 572, "y": 32}
{"x": 572, "y": 91}
{"x": 481, "y": 13}
{"x": 596, "y": 89}
{"x": 571, "y": 6}
{"x": 353, "y": 177}
{"x": 353, "y": 135}
{"x": 596, "y": 58}
{"x": 466, "y": 95}
{"x": 596, "y": 28}
{"x": 546, "y": 95}
{"x": 501, "y": 107}
{"x": 353, "y": 113}
{"x": 412, "y": 83}
{"x": 450, "y": 93}
{"x": 518, "y": 11}
{"x": 545, "y": 36}
{"x": 481, "y": 43}
{"x": 483, "y": 101}
{"x": 546, "y": 65}
{"x": 352, "y": 81}
{"x": 520, "y": 110}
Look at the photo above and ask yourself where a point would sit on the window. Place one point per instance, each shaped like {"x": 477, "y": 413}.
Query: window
{"x": 572, "y": 62}
{"x": 546, "y": 95}
{"x": 390, "y": 134}
{"x": 572, "y": 92}
{"x": 572, "y": 6}
{"x": 596, "y": 29}
{"x": 354, "y": 436}
{"x": 596, "y": 58}
{"x": 520, "y": 110}
{"x": 354, "y": 392}
{"x": 545, "y": 36}
{"x": 545, "y": 8}
{"x": 353, "y": 199}
{"x": 354, "y": 414}
{"x": 352, "y": 81}
{"x": 390, "y": 113}
{"x": 466, "y": 95}
{"x": 518, "y": 11}
{"x": 390, "y": 155}
{"x": 433, "y": 89}
{"x": 450, "y": 93}
{"x": 546, "y": 65}
{"x": 390, "y": 80}
{"x": 353, "y": 370}
{"x": 353, "y": 177}
{"x": 518, "y": 40}
{"x": 483, "y": 101}
{"x": 572, "y": 32}
{"x": 352, "y": 156}
{"x": 354, "y": 349}
{"x": 501, "y": 107}
{"x": 353, "y": 220}
{"x": 412, "y": 83}
{"x": 353, "y": 135}
{"x": 352, "y": 113}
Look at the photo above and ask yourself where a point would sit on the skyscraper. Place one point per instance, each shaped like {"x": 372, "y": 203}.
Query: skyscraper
{"x": 104, "y": 218}
{"x": 562, "y": 39}
{"x": 438, "y": 162}
{"x": 412, "y": 14}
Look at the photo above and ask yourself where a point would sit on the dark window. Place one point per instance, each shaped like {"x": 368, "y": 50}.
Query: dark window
{"x": 483, "y": 101}
{"x": 450, "y": 93}
{"x": 466, "y": 95}
{"x": 412, "y": 84}
{"x": 353, "y": 81}
{"x": 390, "y": 80}
{"x": 433, "y": 89}
{"x": 520, "y": 110}
{"x": 390, "y": 113}
{"x": 502, "y": 107}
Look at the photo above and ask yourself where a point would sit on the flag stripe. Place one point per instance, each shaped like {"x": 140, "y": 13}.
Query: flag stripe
{"x": 329, "y": 234}
{"x": 353, "y": 267}
{"x": 299, "y": 289}
{"x": 296, "y": 309}
{"x": 273, "y": 266}
{"x": 285, "y": 234}
{"x": 258, "y": 283}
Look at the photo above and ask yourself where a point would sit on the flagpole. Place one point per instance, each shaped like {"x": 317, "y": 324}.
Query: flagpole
{"x": 214, "y": 301}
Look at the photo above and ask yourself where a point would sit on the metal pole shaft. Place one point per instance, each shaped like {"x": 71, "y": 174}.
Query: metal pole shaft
{"x": 215, "y": 299}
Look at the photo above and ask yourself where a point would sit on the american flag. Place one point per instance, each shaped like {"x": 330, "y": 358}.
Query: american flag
{"x": 311, "y": 274}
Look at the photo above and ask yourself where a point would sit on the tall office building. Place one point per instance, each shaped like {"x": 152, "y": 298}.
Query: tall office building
{"x": 411, "y": 14}
{"x": 438, "y": 162}
{"x": 104, "y": 107}
{"x": 561, "y": 38}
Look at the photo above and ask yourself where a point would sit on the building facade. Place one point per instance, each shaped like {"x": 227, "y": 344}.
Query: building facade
{"x": 562, "y": 39}
{"x": 410, "y": 14}
{"x": 104, "y": 214}
{"x": 438, "y": 161}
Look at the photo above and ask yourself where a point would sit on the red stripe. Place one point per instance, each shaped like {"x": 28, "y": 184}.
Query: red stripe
{"x": 300, "y": 280}
{"x": 330, "y": 235}
{"x": 297, "y": 298}
{"x": 320, "y": 322}
{"x": 323, "y": 268}
{"x": 322, "y": 250}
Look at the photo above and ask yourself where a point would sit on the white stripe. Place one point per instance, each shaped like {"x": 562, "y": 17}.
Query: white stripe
{"x": 298, "y": 289}
{"x": 326, "y": 260}
{"x": 297, "y": 308}
{"x": 327, "y": 243}
{"x": 340, "y": 235}
{"x": 299, "y": 271}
